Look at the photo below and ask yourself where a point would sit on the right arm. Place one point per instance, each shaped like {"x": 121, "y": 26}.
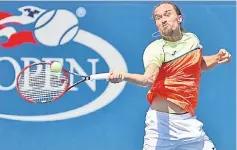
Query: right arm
{"x": 152, "y": 60}
{"x": 143, "y": 80}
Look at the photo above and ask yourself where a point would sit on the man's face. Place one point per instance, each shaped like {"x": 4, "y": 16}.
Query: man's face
{"x": 167, "y": 19}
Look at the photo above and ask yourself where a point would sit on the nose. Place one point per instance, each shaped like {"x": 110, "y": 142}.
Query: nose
{"x": 163, "y": 20}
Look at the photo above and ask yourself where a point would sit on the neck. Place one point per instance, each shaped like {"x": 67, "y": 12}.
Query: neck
{"x": 174, "y": 37}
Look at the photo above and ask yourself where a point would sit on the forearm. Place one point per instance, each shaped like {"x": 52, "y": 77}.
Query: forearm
{"x": 138, "y": 79}
{"x": 209, "y": 62}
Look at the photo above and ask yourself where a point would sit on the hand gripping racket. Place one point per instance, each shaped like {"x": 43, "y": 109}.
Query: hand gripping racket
{"x": 37, "y": 83}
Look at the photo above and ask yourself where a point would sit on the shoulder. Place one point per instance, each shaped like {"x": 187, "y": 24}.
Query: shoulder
{"x": 153, "y": 53}
{"x": 192, "y": 36}
{"x": 192, "y": 39}
{"x": 154, "y": 47}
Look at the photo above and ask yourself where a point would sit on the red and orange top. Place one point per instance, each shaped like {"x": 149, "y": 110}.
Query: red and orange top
{"x": 179, "y": 74}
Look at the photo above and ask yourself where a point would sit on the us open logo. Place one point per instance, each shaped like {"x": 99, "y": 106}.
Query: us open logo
{"x": 52, "y": 30}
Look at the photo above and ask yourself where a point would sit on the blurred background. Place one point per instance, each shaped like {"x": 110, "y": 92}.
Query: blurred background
{"x": 112, "y": 35}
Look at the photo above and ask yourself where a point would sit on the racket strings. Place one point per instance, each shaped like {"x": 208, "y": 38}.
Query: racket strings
{"x": 40, "y": 84}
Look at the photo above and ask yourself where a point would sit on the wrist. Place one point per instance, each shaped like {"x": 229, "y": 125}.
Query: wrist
{"x": 217, "y": 58}
{"x": 125, "y": 76}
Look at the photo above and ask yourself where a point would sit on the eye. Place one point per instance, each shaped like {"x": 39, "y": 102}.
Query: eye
{"x": 157, "y": 17}
{"x": 167, "y": 14}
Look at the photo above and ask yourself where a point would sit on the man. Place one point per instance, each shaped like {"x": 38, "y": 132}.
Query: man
{"x": 173, "y": 67}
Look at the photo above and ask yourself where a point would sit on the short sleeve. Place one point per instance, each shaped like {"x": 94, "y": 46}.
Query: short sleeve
{"x": 153, "y": 54}
{"x": 196, "y": 40}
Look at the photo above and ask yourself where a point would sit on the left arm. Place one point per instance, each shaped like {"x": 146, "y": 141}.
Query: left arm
{"x": 209, "y": 62}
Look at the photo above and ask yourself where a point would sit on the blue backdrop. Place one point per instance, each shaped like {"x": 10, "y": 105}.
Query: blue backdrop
{"x": 123, "y": 29}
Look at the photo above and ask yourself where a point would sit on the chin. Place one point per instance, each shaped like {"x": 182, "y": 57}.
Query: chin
{"x": 167, "y": 33}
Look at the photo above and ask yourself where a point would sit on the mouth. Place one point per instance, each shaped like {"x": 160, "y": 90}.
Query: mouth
{"x": 165, "y": 25}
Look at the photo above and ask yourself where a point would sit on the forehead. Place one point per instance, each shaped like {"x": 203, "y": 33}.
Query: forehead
{"x": 163, "y": 8}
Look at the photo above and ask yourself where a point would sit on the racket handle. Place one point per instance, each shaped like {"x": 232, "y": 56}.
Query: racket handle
{"x": 100, "y": 76}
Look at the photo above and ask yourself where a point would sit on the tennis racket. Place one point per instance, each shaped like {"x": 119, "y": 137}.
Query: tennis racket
{"x": 36, "y": 83}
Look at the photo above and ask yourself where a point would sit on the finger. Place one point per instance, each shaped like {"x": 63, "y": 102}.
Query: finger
{"x": 223, "y": 61}
{"x": 116, "y": 78}
{"x": 119, "y": 76}
{"x": 112, "y": 77}
{"x": 223, "y": 50}
{"x": 111, "y": 72}
{"x": 108, "y": 78}
{"x": 227, "y": 56}
{"x": 122, "y": 77}
{"x": 224, "y": 55}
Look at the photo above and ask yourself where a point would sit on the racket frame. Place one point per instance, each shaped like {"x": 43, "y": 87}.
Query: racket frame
{"x": 67, "y": 88}
{"x": 42, "y": 63}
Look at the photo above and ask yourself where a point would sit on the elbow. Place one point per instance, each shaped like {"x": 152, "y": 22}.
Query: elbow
{"x": 208, "y": 64}
{"x": 205, "y": 67}
{"x": 147, "y": 85}
{"x": 148, "y": 82}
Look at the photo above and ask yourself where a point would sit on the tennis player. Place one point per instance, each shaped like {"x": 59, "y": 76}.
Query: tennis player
{"x": 173, "y": 67}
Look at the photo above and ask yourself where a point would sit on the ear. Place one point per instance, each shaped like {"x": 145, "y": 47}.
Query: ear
{"x": 180, "y": 19}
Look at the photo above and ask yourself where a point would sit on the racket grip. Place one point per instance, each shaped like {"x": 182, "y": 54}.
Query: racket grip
{"x": 100, "y": 76}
